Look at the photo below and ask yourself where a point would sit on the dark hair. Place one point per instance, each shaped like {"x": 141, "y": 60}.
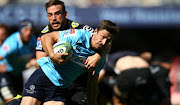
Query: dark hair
{"x": 109, "y": 26}
{"x": 55, "y": 2}
{"x": 5, "y": 27}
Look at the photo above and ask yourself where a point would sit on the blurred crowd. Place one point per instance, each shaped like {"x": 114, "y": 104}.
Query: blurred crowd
{"x": 92, "y": 3}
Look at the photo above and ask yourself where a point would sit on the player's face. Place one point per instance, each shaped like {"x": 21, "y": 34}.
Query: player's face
{"x": 3, "y": 35}
{"x": 100, "y": 39}
{"x": 56, "y": 16}
{"x": 26, "y": 34}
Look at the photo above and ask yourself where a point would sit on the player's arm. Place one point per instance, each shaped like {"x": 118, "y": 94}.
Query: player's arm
{"x": 92, "y": 88}
{"x": 93, "y": 61}
{"x": 47, "y": 41}
{"x": 101, "y": 75}
{"x": 3, "y": 67}
{"x": 6, "y": 49}
{"x": 1, "y": 58}
{"x": 40, "y": 54}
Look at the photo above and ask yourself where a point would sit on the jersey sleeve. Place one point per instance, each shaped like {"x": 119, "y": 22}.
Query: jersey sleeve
{"x": 85, "y": 27}
{"x": 38, "y": 43}
{"x": 101, "y": 64}
{"x": 9, "y": 46}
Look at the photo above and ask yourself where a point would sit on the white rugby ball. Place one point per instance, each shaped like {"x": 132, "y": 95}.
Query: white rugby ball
{"x": 63, "y": 47}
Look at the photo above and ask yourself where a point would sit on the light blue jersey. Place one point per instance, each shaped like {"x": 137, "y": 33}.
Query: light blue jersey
{"x": 15, "y": 53}
{"x": 63, "y": 75}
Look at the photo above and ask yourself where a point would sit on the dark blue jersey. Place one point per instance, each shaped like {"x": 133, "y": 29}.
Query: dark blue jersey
{"x": 70, "y": 24}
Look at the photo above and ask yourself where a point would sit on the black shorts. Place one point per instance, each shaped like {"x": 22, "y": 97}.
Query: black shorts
{"x": 135, "y": 83}
{"x": 161, "y": 81}
{"x": 40, "y": 87}
{"x": 76, "y": 94}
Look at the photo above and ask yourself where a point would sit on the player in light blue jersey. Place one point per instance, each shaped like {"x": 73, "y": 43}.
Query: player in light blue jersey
{"x": 49, "y": 83}
{"x": 5, "y": 92}
{"x": 18, "y": 50}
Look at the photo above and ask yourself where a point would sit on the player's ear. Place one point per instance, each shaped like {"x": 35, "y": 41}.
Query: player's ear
{"x": 66, "y": 14}
{"x": 95, "y": 31}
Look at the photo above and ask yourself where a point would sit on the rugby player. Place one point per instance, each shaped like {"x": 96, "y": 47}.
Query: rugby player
{"x": 49, "y": 83}
{"x": 57, "y": 17}
{"x": 133, "y": 83}
{"x": 17, "y": 50}
{"x": 5, "y": 96}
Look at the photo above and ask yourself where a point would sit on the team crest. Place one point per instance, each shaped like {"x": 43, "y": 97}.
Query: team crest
{"x": 45, "y": 30}
{"x": 74, "y": 24}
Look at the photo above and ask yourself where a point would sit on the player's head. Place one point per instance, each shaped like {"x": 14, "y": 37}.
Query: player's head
{"x": 26, "y": 30}
{"x": 104, "y": 34}
{"x": 56, "y": 14}
{"x": 3, "y": 33}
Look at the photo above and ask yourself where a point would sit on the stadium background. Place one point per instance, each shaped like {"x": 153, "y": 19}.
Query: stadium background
{"x": 145, "y": 25}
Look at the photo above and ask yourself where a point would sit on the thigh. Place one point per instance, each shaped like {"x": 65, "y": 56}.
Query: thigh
{"x": 54, "y": 103}
{"x": 30, "y": 101}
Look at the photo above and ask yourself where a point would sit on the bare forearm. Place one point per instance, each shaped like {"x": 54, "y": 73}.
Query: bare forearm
{"x": 106, "y": 50}
{"x": 39, "y": 54}
{"x": 1, "y": 58}
{"x": 47, "y": 42}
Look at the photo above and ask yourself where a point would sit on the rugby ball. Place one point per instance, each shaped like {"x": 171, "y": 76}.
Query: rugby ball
{"x": 63, "y": 47}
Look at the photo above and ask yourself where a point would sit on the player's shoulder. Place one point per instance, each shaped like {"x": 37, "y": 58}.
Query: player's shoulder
{"x": 13, "y": 37}
{"x": 45, "y": 30}
{"x": 76, "y": 25}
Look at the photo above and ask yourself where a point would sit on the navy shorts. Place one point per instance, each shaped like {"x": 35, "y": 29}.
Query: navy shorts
{"x": 40, "y": 87}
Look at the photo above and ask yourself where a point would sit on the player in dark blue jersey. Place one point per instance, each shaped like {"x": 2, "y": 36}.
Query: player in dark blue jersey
{"x": 49, "y": 83}
{"x": 57, "y": 17}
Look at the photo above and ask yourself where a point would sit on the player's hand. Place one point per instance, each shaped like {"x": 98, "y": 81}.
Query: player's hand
{"x": 92, "y": 62}
{"x": 58, "y": 58}
{"x": 3, "y": 68}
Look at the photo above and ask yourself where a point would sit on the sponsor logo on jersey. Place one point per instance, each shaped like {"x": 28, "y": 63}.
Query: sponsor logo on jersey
{"x": 6, "y": 47}
{"x": 79, "y": 60}
{"x": 38, "y": 43}
{"x": 45, "y": 30}
{"x": 74, "y": 24}
{"x": 69, "y": 32}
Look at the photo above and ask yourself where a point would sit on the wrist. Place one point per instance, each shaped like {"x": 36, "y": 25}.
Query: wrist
{"x": 51, "y": 55}
{"x": 98, "y": 55}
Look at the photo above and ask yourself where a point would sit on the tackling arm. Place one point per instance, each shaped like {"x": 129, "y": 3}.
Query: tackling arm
{"x": 39, "y": 54}
{"x": 47, "y": 41}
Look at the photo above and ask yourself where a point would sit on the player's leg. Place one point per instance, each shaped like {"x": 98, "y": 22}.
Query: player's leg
{"x": 34, "y": 90}
{"x": 54, "y": 103}
{"x": 16, "y": 100}
{"x": 30, "y": 101}
{"x": 6, "y": 91}
{"x": 76, "y": 94}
